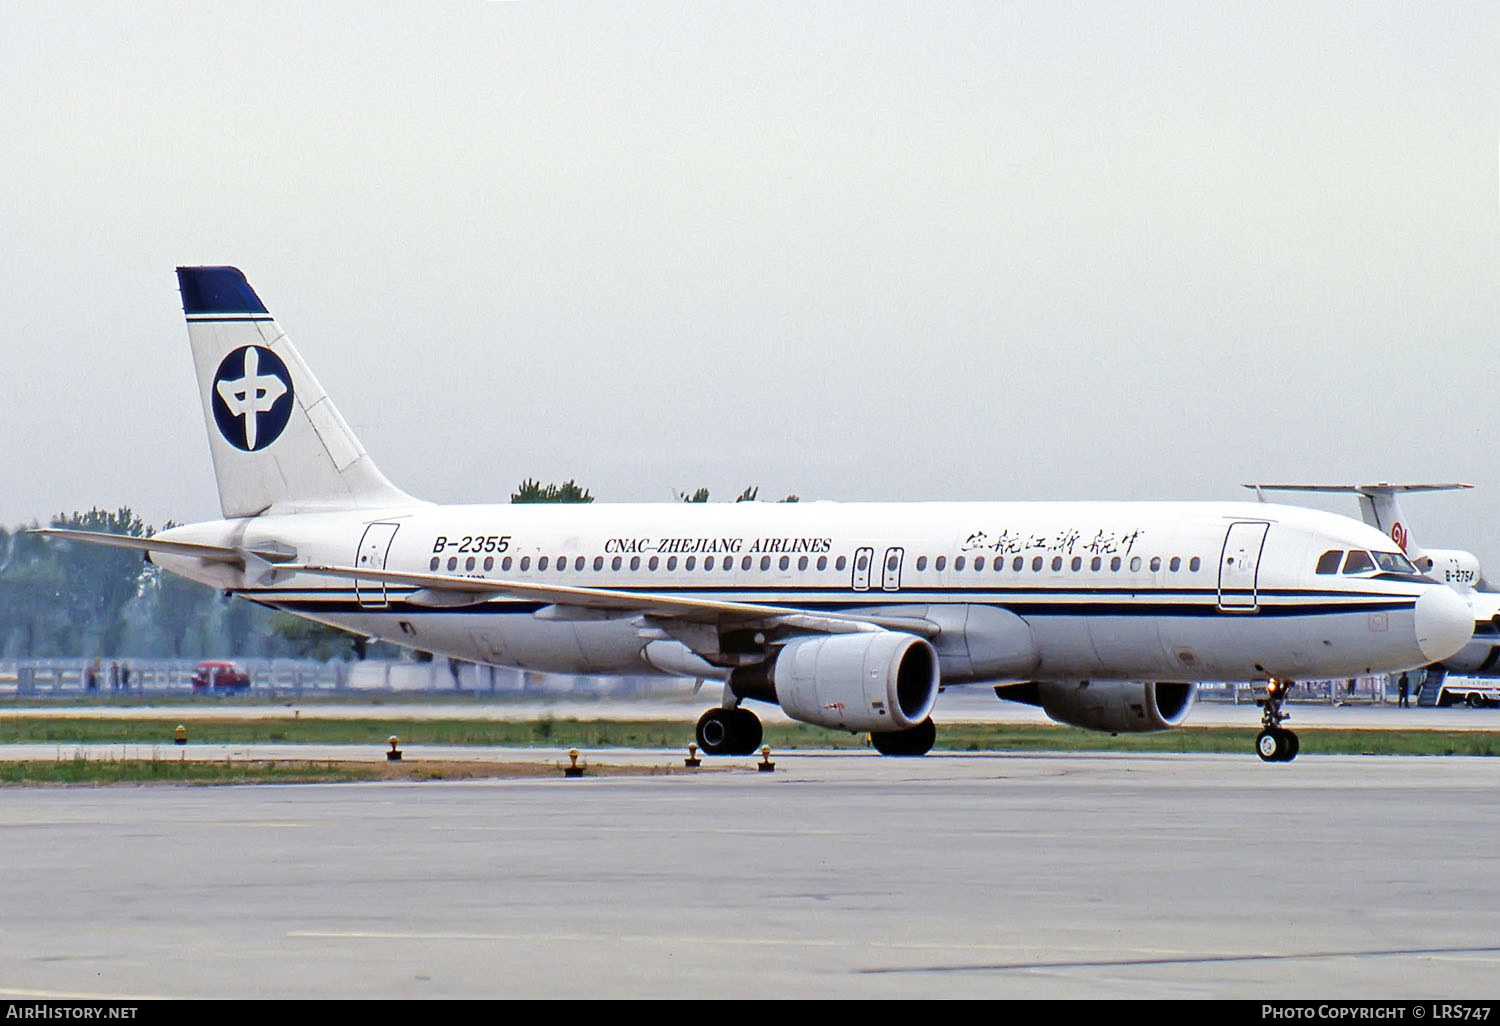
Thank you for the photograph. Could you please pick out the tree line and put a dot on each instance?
(63, 599)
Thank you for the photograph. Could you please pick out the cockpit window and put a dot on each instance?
(1393, 562)
(1358, 562)
(1328, 562)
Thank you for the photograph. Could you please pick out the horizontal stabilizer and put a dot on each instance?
(1382, 488)
(212, 553)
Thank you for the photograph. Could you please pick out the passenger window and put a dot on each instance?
(1358, 562)
(1114, 564)
(434, 564)
(784, 563)
(614, 564)
(801, 562)
(708, 562)
(1155, 564)
(840, 563)
(578, 563)
(505, 564)
(452, 562)
(671, 563)
(1056, 563)
(1077, 563)
(653, 564)
(1194, 564)
(958, 564)
(940, 563)
(921, 563)
(692, 561)
(526, 563)
(1328, 562)
(1175, 565)
(1019, 562)
(1036, 564)
(469, 563)
(635, 562)
(822, 562)
(1095, 563)
(744, 563)
(541, 564)
(765, 562)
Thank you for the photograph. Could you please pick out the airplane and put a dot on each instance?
(1460, 570)
(851, 616)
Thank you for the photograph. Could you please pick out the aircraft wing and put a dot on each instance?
(448, 590)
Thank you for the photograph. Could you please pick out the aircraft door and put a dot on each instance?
(891, 572)
(1239, 564)
(862, 560)
(373, 548)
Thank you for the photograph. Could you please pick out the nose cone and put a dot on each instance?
(1445, 623)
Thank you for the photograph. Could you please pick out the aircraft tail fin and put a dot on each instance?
(277, 439)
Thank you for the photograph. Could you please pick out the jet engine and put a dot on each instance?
(878, 681)
(1118, 706)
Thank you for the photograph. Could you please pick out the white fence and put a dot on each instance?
(271, 678)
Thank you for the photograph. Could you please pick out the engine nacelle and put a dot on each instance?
(1118, 706)
(878, 681)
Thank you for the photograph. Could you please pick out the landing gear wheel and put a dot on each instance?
(917, 740)
(747, 731)
(1277, 745)
(729, 732)
(716, 733)
(1268, 745)
(1475, 701)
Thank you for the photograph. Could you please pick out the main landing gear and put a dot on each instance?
(734, 731)
(1275, 743)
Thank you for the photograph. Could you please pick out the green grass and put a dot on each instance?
(584, 734)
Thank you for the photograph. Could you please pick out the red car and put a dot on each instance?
(220, 678)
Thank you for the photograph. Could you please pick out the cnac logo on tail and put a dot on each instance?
(252, 398)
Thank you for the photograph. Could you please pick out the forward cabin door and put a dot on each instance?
(373, 548)
(1239, 566)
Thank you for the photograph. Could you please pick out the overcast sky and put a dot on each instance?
(863, 251)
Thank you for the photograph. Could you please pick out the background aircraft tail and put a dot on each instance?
(277, 440)
(1380, 507)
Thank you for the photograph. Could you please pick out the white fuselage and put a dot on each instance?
(1144, 590)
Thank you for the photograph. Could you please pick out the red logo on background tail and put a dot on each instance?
(1398, 534)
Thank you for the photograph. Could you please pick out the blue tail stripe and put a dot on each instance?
(215, 290)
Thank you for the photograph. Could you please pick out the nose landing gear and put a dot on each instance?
(1275, 743)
